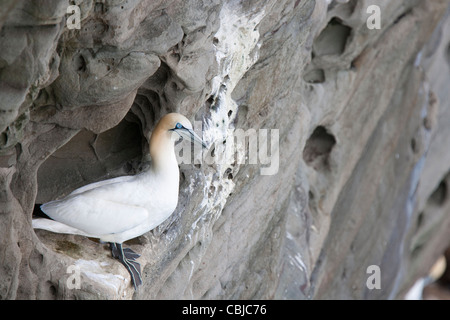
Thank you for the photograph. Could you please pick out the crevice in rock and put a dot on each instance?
(403, 15)
(414, 146)
(420, 219)
(315, 76)
(447, 54)
(333, 39)
(318, 149)
(80, 63)
(440, 194)
(211, 103)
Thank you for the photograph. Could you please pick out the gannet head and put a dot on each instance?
(179, 124)
(170, 128)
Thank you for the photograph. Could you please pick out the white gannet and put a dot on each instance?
(126, 207)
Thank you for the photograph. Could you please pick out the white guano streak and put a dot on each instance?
(235, 54)
(236, 51)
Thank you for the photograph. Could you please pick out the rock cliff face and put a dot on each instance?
(360, 119)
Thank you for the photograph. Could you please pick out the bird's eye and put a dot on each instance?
(178, 126)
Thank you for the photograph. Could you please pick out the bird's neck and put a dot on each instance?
(162, 152)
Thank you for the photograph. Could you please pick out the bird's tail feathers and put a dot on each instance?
(55, 226)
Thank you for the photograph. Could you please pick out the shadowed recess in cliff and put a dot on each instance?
(91, 157)
(333, 39)
(318, 149)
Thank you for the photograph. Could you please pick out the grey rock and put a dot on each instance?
(363, 129)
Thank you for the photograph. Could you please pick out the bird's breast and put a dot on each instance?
(161, 193)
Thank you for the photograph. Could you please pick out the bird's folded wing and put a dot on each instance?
(95, 216)
(99, 184)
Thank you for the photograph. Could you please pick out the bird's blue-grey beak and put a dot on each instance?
(191, 135)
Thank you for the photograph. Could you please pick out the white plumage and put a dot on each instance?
(123, 208)
(119, 209)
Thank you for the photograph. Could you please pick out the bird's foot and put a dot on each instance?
(129, 254)
(127, 258)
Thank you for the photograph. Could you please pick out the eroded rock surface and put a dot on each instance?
(363, 120)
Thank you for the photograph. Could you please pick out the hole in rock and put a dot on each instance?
(80, 63)
(318, 148)
(315, 76)
(333, 39)
(51, 289)
(210, 102)
(228, 174)
(439, 195)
